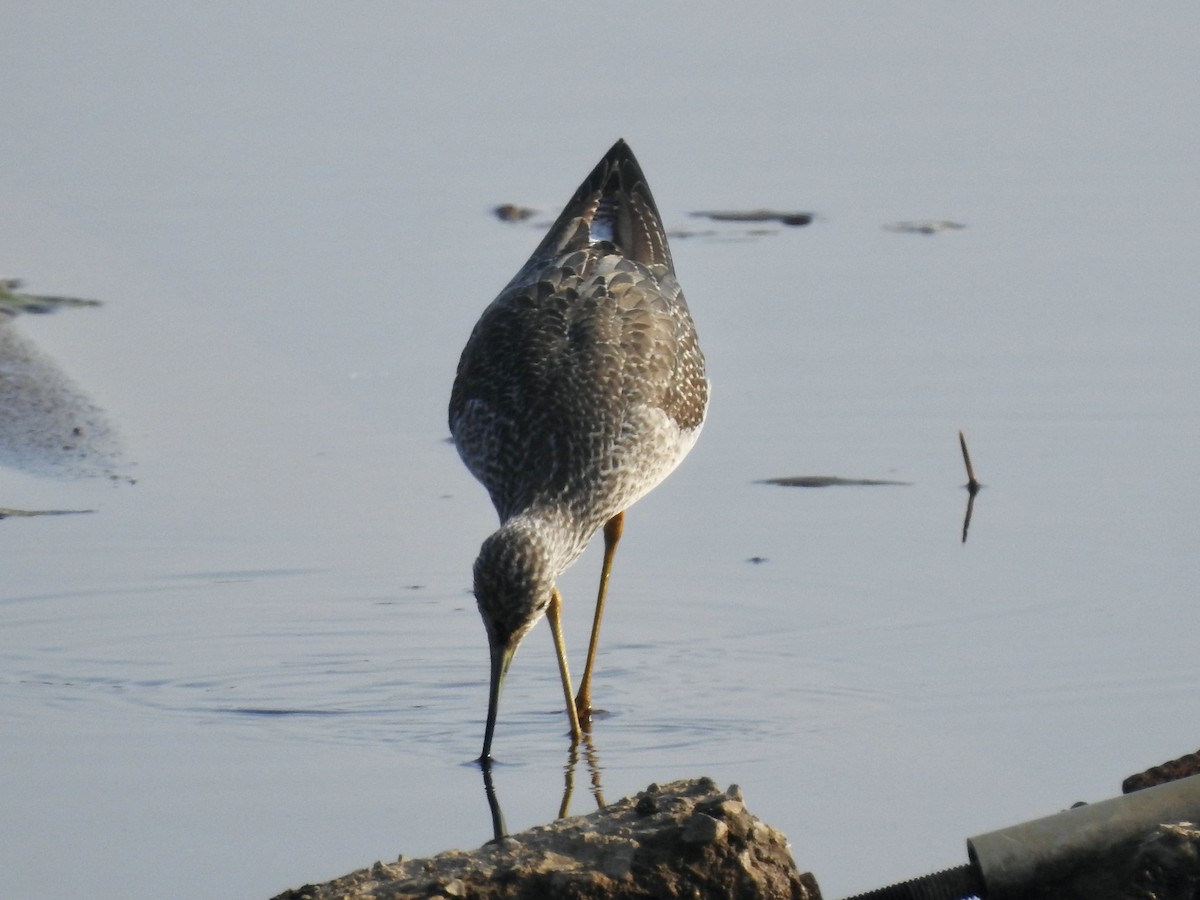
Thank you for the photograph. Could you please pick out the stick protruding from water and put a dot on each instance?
(972, 482)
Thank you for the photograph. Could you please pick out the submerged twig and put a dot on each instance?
(970, 509)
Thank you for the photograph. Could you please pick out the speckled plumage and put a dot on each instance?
(581, 388)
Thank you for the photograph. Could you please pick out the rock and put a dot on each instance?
(1167, 864)
(684, 839)
(703, 829)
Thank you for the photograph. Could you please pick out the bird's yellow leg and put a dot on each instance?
(554, 617)
(612, 534)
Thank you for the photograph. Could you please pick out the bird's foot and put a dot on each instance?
(583, 709)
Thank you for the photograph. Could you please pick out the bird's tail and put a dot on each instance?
(613, 204)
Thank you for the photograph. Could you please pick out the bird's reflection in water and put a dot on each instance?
(499, 830)
(593, 764)
(590, 758)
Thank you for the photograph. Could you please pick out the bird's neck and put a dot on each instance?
(555, 534)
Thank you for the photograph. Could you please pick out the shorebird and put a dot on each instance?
(580, 389)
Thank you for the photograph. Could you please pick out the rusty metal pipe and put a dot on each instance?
(1084, 853)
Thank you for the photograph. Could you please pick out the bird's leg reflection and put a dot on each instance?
(593, 764)
(499, 830)
(589, 750)
(564, 808)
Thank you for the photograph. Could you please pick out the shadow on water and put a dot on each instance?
(590, 758)
(48, 424)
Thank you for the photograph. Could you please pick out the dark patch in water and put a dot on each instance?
(267, 711)
(795, 219)
(819, 481)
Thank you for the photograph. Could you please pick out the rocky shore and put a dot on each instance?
(685, 839)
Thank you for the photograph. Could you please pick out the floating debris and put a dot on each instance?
(511, 212)
(7, 513)
(820, 481)
(796, 219)
(685, 233)
(925, 227)
(514, 213)
(12, 303)
(972, 484)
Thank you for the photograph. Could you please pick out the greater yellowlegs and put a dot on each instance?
(580, 389)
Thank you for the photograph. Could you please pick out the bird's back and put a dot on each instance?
(582, 385)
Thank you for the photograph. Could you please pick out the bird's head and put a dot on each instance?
(513, 585)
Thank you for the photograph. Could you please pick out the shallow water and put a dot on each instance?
(259, 664)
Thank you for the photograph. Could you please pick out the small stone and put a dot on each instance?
(706, 784)
(732, 813)
(734, 792)
(455, 888)
(722, 807)
(646, 806)
(702, 829)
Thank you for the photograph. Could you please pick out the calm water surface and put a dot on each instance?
(257, 663)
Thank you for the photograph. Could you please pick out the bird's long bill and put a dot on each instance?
(502, 656)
